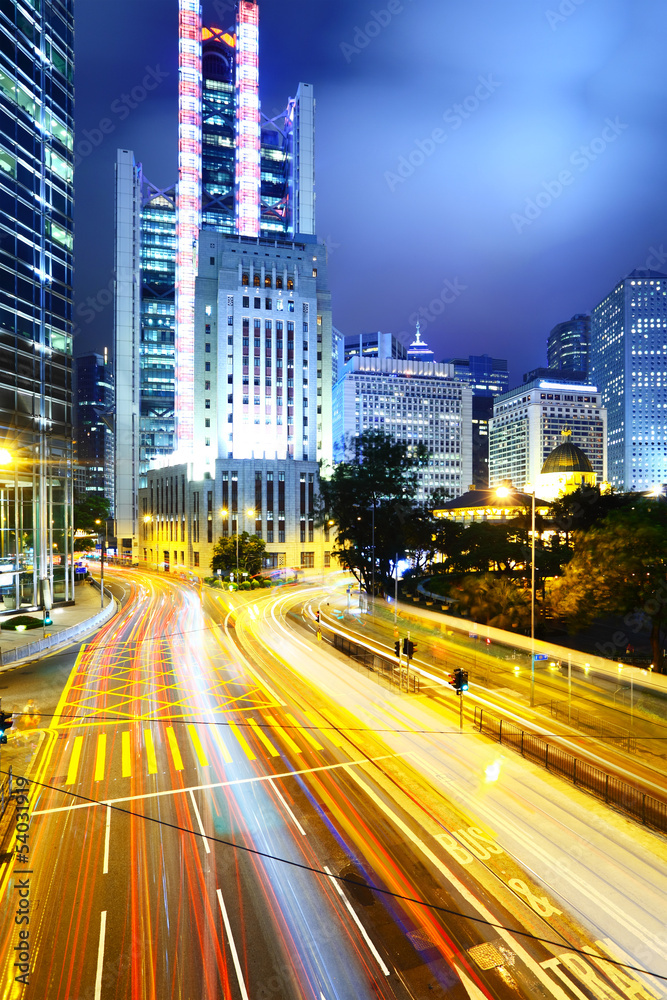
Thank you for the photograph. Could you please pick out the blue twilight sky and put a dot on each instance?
(492, 167)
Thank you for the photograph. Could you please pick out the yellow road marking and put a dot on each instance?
(288, 739)
(244, 746)
(100, 759)
(223, 747)
(127, 756)
(199, 750)
(74, 760)
(331, 734)
(173, 746)
(261, 735)
(304, 732)
(150, 751)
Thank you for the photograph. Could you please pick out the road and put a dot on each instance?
(221, 807)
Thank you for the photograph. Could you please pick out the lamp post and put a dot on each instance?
(503, 491)
(103, 540)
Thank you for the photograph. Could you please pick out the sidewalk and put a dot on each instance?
(69, 624)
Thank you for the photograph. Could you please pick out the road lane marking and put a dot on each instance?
(286, 736)
(223, 747)
(553, 988)
(232, 947)
(126, 755)
(473, 991)
(331, 734)
(196, 742)
(150, 751)
(244, 746)
(304, 732)
(173, 746)
(376, 954)
(74, 760)
(216, 784)
(199, 822)
(261, 735)
(107, 837)
(287, 806)
(100, 956)
(100, 758)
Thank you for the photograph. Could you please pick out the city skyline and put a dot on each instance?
(461, 216)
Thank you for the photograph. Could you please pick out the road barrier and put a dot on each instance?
(610, 789)
(382, 666)
(595, 726)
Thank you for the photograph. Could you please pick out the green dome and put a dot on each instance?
(567, 458)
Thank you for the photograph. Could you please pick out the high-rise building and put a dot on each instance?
(414, 402)
(529, 422)
(568, 346)
(487, 377)
(240, 172)
(381, 346)
(418, 349)
(36, 262)
(94, 423)
(629, 363)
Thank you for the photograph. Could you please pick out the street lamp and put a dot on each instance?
(104, 545)
(503, 491)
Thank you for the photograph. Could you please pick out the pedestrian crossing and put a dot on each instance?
(149, 749)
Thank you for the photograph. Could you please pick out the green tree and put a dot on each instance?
(250, 553)
(585, 507)
(618, 568)
(371, 497)
(88, 509)
(493, 600)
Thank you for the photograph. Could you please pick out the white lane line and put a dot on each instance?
(376, 954)
(471, 988)
(232, 947)
(215, 784)
(100, 956)
(286, 804)
(475, 904)
(107, 837)
(201, 825)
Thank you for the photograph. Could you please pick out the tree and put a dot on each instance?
(370, 498)
(493, 600)
(618, 568)
(586, 507)
(89, 508)
(250, 553)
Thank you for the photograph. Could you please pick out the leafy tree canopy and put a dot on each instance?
(618, 567)
(90, 508)
(493, 600)
(250, 553)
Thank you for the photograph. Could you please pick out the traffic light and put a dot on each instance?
(317, 615)
(48, 620)
(6, 722)
(409, 648)
(460, 680)
(397, 647)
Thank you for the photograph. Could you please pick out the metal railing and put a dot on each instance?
(383, 668)
(593, 724)
(610, 789)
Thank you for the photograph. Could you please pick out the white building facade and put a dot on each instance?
(528, 423)
(414, 402)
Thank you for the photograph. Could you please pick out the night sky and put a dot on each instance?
(499, 165)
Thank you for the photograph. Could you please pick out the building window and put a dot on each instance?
(258, 302)
(307, 560)
(327, 560)
(246, 302)
(195, 558)
(207, 348)
(207, 404)
(207, 385)
(207, 366)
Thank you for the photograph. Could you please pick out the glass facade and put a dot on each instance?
(487, 377)
(94, 437)
(568, 346)
(36, 241)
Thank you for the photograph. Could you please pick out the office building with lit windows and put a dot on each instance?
(245, 174)
(371, 345)
(529, 421)
(36, 264)
(629, 363)
(487, 377)
(568, 346)
(414, 402)
(94, 422)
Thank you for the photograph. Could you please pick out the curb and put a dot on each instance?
(12, 657)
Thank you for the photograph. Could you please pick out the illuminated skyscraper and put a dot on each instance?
(36, 265)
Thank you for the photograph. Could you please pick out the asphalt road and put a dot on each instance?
(219, 807)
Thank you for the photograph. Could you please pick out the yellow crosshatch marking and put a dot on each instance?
(244, 746)
(259, 732)
(288, 739)
(304, 732)
(100, 758)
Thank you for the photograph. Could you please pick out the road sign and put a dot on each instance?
(541, 656)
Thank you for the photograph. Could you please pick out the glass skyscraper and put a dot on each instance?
(568, 346)
(487, 377)
(36, 243)
(629, 365)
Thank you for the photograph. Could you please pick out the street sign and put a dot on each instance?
(541, 656)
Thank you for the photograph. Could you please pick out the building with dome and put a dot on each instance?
(566, 469)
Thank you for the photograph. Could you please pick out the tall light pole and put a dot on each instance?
(503, 491)
(103, 540)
